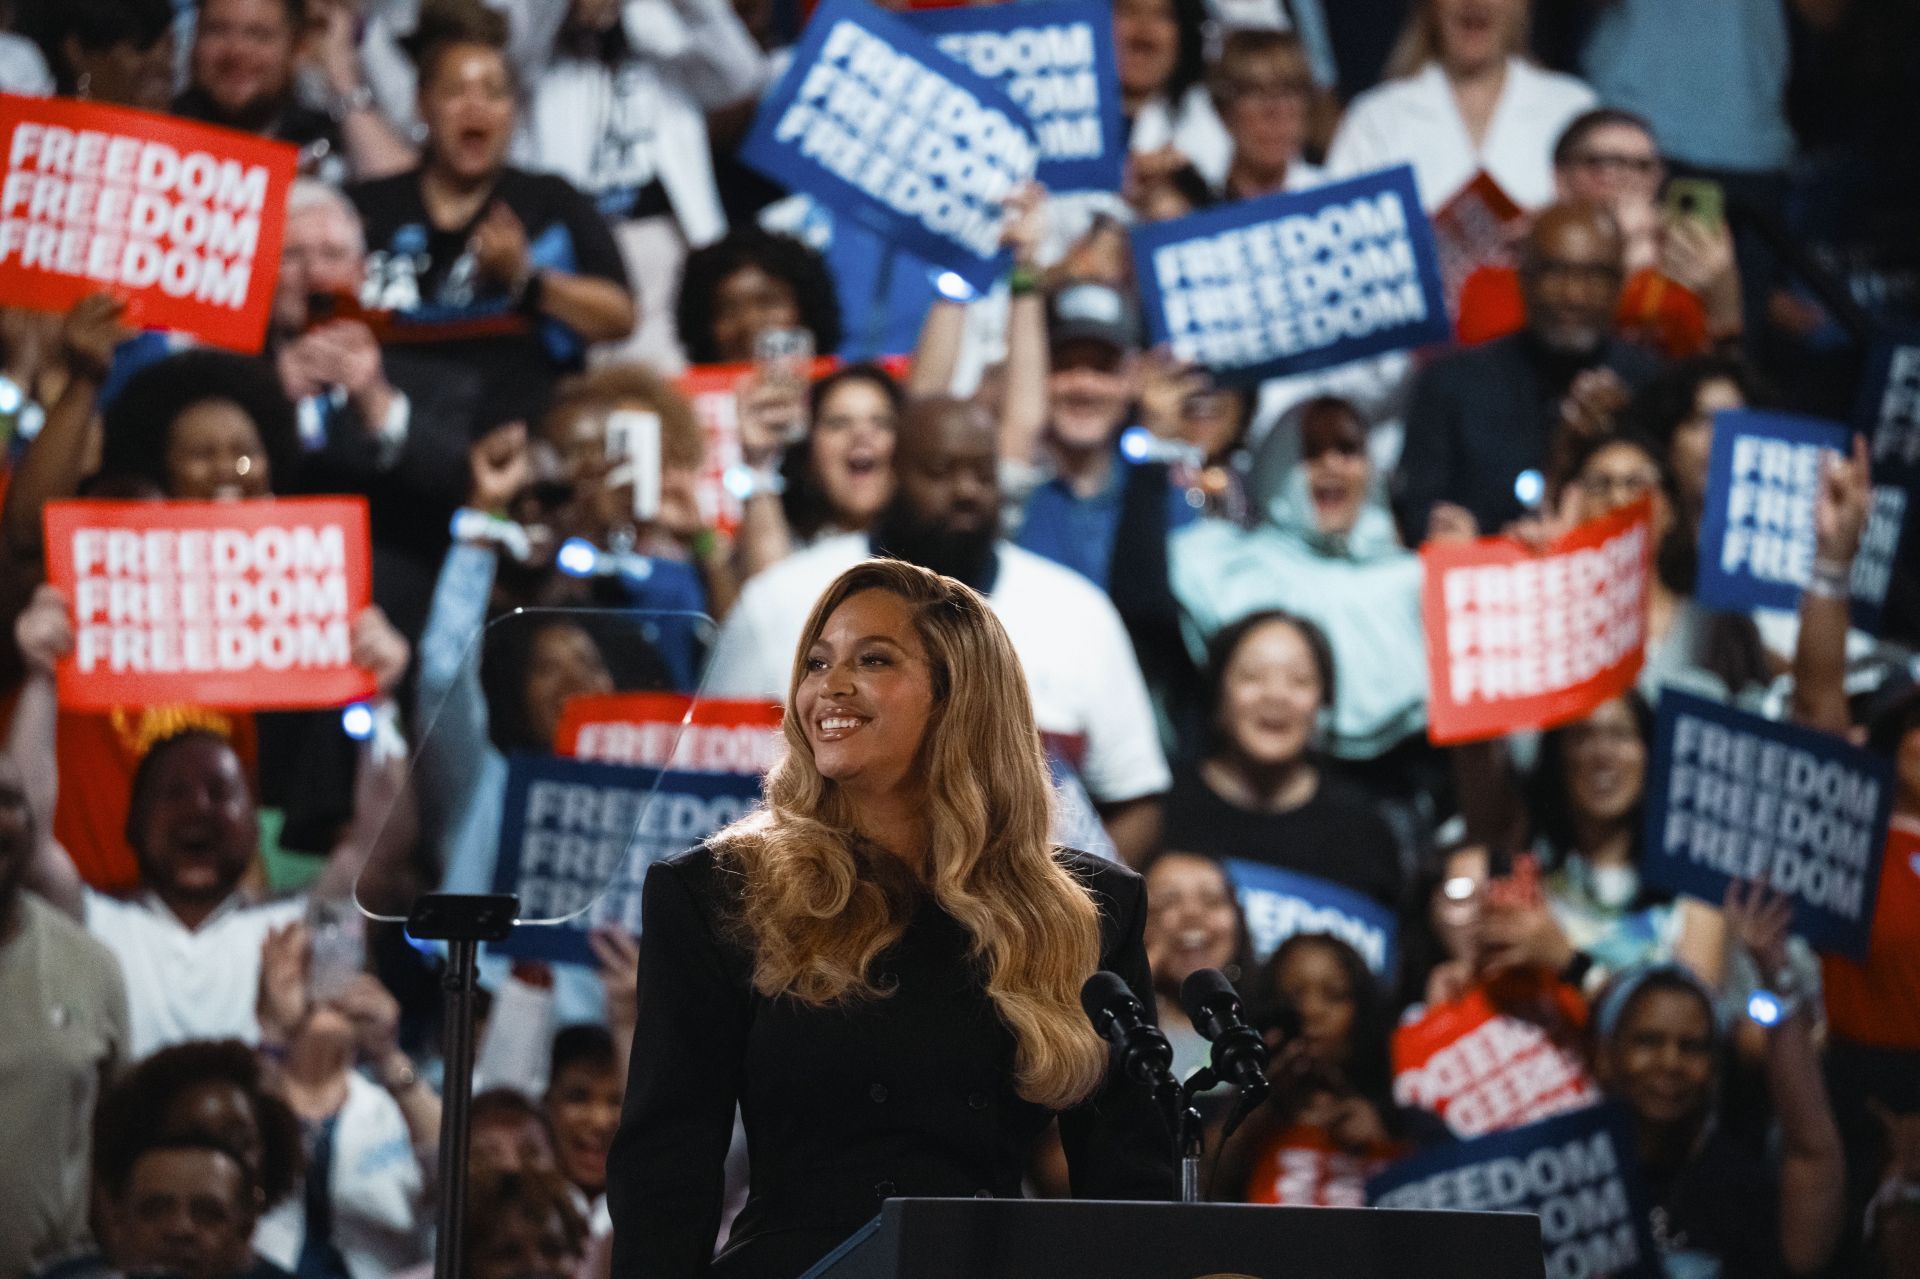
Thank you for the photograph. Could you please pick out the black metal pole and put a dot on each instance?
(456, 1102)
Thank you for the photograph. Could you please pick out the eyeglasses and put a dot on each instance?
(1640, 166)
(1628, 487)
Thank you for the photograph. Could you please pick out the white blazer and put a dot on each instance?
(1415, 121)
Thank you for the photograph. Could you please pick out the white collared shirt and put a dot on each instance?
(1416, 121)
(188, 983)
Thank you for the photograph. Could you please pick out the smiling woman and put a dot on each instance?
(882, 968)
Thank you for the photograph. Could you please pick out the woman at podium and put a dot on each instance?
(882, 966)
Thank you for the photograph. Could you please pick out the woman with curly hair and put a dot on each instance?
(882, 967)
(751, 281)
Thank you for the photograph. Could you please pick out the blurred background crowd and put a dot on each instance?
(521, 224)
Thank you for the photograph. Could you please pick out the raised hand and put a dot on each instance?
(498, 467)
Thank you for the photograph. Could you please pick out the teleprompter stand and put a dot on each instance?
(1093, 1239)
(463, 921)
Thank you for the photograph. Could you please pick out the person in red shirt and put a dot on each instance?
(1872, 1004)
(1682, 295)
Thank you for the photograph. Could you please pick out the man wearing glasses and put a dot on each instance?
(1682, 293)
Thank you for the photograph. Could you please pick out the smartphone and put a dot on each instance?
(339, 937)
(1698, 200)
(633, 446)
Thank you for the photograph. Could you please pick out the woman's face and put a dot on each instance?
(125, 75)
(583, 1105)
(865, 695)
(1660, 1060)
(214, 453)
(1146, 45)
(562, 663)
(1618, 476)
(1271, 695)
(222, 1110)
(467, 104)
(853, 451)
(1191, 919)
(1476, 34)
(1333, 451)
(1693, 439)
(1606, 762)
(1267, 116)
(508, 1142)
(1311, 979)
(746, 304)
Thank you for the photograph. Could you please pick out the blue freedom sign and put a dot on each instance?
(1734, 796)
(1576, 1172)
(1293, 282)
(874, 122)
(577, 836)
(1755, 530)
(1055, 59)
(1279, 903)
(1889, 416)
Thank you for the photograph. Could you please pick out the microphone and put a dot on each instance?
(1239, 1053)
(1117, 1016)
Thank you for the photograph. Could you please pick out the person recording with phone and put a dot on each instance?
(882, 968)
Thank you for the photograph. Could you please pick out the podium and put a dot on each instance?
(1069, 1239)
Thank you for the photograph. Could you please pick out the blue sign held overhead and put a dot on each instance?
(874, 122)
(1756, 528)
(577, 836)
(1294, 282)
(1734, 796)
(1576, 1172)
(1055, 59)
(1279, 903)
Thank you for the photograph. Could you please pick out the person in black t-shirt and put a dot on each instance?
(1724, 1199)
(1258, 793)
(512, 272)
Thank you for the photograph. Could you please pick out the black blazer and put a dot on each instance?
(909, 1095)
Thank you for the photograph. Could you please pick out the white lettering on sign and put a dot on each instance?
(130, 212)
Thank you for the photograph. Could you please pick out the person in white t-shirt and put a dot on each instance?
(1089, 698)
(189, 939)
(1461, 98)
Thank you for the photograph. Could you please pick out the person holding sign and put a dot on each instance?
(882, 968)
(1716, 654)
(1872, 1004)
(520, 265)
(1718, 1198)
(189, 941)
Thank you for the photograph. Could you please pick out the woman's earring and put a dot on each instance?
(84, 86)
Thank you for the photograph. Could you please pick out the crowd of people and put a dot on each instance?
(519, 224)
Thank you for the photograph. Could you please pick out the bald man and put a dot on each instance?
(1481, 419)
(1088, 696)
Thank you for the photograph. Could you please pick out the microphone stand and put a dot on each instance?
(1191, 1133)
(463, 921)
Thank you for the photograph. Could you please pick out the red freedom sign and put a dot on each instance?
(1474, 228)
(1523, 640)
(181, 220)
(247, 605)
(1483, 1070)
(661, 730)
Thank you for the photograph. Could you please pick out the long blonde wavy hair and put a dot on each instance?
(818, 907)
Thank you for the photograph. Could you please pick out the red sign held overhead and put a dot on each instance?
(1519, 640)
(182, 220)
(246, 605)
(1482, 1069)
(662, 730)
